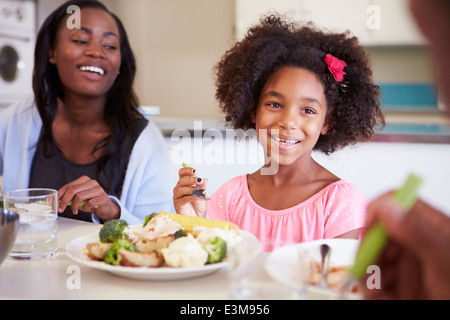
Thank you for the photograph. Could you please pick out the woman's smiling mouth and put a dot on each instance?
(93, 69)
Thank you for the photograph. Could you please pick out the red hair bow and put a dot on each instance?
(336, 67)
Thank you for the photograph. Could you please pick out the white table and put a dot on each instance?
(48, 278)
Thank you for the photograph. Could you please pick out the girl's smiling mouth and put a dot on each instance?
(285, 141)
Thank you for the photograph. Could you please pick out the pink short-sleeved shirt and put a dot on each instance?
(333, 211)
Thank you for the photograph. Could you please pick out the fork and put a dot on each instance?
(200, 193)
(325, 252)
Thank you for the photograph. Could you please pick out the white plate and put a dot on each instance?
(74, 251)
(280, 261)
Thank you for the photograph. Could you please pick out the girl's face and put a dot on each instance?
(291, 114)
(88, 59)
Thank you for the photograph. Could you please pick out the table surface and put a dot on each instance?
(53, 278)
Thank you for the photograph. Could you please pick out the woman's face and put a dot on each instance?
(88, 59)
(291, 114)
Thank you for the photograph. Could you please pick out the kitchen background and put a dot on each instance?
(178, 42)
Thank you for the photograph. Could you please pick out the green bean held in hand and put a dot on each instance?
(376, 238)
(81, 204)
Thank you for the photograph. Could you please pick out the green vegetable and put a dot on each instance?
(187, 165)
(70, 203)
(148, 218)
(376, 238)
(179, 234)
(217, 249)
(112, 231)
(406, 196)
(113, 257)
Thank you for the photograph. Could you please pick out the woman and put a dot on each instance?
(83, 134)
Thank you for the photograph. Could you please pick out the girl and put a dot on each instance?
(302, 90)
(83, 134)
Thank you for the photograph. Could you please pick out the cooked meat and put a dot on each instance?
(145, 245)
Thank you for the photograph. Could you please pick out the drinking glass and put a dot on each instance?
(249, 280)
(37, 209)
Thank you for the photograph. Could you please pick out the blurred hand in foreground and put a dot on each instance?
(416, 261)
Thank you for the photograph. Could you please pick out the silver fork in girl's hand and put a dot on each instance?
(200, 193)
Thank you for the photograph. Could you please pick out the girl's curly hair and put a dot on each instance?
(275, 43)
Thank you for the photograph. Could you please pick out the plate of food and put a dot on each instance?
(166, 247)
(300, 264)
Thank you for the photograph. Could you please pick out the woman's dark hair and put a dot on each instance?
(121, 101)
(354, 107)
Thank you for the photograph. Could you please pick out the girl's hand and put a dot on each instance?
(184, 202)
(87, 194)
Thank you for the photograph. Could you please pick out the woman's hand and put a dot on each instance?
(97, 201)
(184, 202)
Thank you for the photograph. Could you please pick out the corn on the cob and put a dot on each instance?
(188, 222)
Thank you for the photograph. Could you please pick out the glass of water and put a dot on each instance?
(38, 213)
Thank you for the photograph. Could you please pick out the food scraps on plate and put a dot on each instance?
(335, 278)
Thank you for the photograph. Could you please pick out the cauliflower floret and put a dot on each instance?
(185, 252)
(206, 235)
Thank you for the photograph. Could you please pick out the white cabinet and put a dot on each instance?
(374, 22)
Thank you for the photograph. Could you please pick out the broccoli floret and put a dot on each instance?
(148, 218)
(180, 233)
(112, 256)
(217, 249)
(112, 231)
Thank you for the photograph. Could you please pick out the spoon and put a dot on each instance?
(325, 252)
